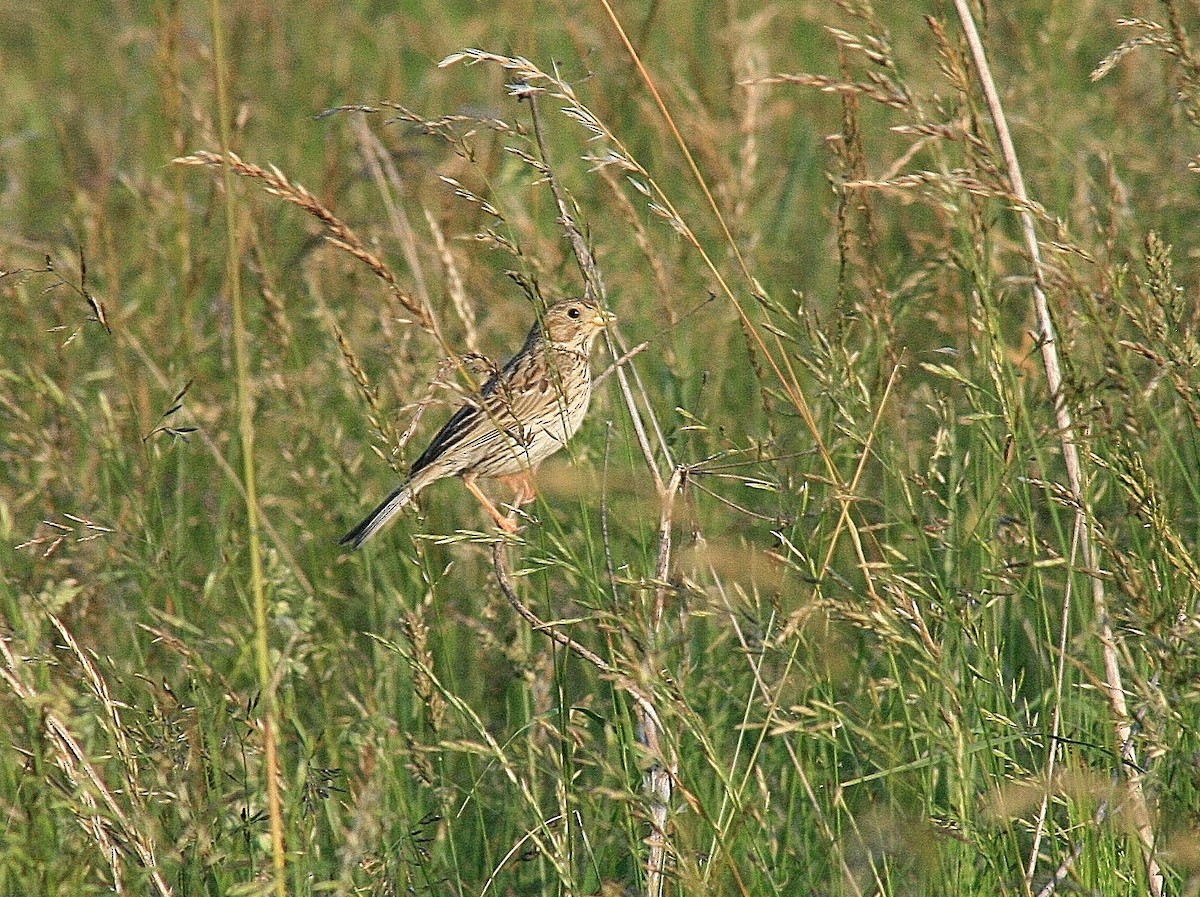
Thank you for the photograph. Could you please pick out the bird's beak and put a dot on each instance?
(604, 317)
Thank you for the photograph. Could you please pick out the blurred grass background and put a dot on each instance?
(853, 710)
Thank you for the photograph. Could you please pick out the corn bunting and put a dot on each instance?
(520, 417)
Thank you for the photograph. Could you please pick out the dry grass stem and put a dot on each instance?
(504, 579)
(338, 233)
(392, 193)
(1122, 722)
(454, 284)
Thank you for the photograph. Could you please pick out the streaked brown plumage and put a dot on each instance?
(522, 415)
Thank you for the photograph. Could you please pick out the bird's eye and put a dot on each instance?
(572, 313)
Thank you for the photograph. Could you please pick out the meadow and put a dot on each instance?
(872, 571)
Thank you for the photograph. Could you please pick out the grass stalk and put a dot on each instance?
(1114, 689)
(270, 710)
(657, 783)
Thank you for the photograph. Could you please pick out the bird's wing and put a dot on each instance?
(464, 420)
(502, 417)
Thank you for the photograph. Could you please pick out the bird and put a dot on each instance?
(524, 413)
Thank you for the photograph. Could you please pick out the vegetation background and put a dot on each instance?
(870, 645)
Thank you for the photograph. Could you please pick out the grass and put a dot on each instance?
(802, 609)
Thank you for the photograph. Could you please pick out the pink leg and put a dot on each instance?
(505, 523)
(523, 491)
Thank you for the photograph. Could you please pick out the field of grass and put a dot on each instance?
(833, 594)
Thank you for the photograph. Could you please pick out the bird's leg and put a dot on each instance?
(522, 487)
(505, 523)
(523, 491)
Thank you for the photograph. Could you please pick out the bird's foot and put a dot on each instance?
(509, 525)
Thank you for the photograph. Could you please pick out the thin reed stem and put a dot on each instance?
(657, 782)
(1114, 689)
(270, 709)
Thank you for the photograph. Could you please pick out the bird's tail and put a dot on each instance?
(372, 522)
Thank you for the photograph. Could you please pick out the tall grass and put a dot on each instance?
(802, 610)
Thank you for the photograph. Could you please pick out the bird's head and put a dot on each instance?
(575, 323)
